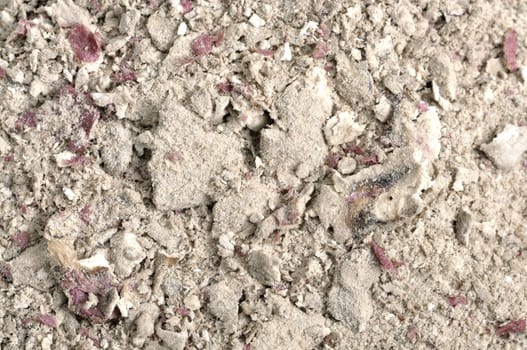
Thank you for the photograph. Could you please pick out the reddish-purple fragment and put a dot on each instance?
(124, 76)
(280, 286)
(457, 300)
(287, 217)
(510, 46)
(266, 52)
(383, 260)
(517, 326)
(202, 45)
(330, 340)
(174, 156)
(320, 51)
(9, 157)
(76, 147)
(21, 239)
(85, 214)
(78, 160)
(292, 216)
(69, 90)
(125, 72)
(422, 106)
(84, 43)
(182, 311)
(370, 160)
(78, 285)
(356, 149)
(242, 89)
(186, 6)
(371, 192)
(412, 334)
(85, 332)
(225, 87)
(23, 26)
(88, 120)
(96, 5)
(323, 31)
(333, 160)
(218, 39)
(3, 73)
(47, 320)
(26, 120)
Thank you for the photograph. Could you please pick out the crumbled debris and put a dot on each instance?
(32, 268)
(223, 304)
(171, 339)
(89, 295)
(303, 330)
(342, 128)
(349, 299)
(320, 50)
(26, 120)
(5, 273)
(383, 109)
(330, 206)
(162, 30)
(233, 212)
(443, 73)
(144, 323)
(507, 148)
(125, 73)
(463, 178)
(127, 253)
(264, 267)
(117, 146)
(92, 294)
(212, 176)
(188, 183)
(463, 226)
(302, 142)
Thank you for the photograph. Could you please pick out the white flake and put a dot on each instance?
(286, 54)
(256, 21)
(182, 29)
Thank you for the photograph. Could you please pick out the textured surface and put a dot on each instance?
(214, 174)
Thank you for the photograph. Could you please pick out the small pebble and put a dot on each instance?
(347, 165)
(256, 21)
(462, 226)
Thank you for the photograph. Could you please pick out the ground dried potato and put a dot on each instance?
(310, 174)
